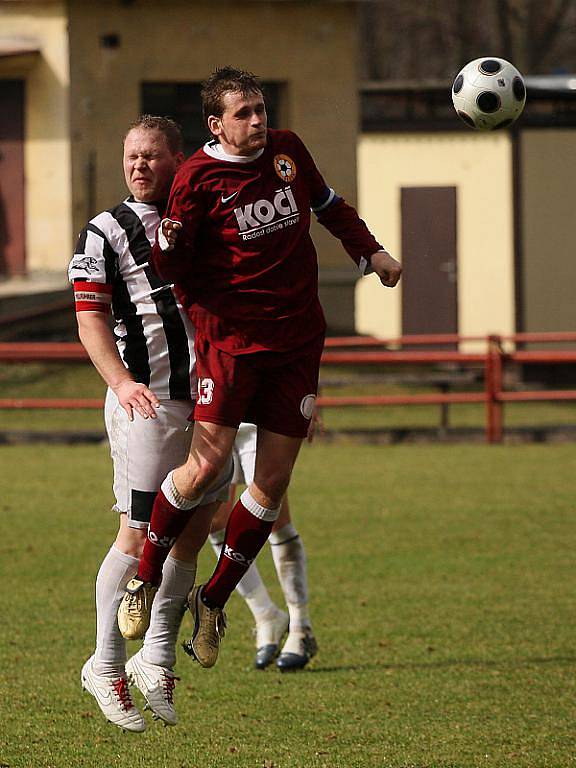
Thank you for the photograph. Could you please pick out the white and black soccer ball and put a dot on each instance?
(489, 93)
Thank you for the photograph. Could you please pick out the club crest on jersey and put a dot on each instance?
(285, 167)
(266, 216)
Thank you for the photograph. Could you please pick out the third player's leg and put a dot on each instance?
(289, 558)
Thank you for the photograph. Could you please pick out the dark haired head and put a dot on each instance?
(165, 125)
(226, 80)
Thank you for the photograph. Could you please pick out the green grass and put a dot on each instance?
(442, 593)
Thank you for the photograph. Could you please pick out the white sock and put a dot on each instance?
(115, 572)
(167, 611)
(290, 561)
(174, 496)
(250, 587)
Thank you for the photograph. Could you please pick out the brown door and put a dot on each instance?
(429, 258)
(12, 253)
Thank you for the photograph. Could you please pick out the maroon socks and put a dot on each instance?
(246, 533)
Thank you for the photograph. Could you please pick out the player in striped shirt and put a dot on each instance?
(148, 364)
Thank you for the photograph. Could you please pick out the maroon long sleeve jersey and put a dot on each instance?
(244, 264)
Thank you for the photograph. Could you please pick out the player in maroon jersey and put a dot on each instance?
(245, 269)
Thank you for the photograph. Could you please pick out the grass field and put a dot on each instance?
(442, 592)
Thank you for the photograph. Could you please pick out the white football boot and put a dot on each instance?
(113, 697)
(269, 634)
(156, 684)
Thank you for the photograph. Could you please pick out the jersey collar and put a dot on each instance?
(214, 149)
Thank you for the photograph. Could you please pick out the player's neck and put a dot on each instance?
(217, 150)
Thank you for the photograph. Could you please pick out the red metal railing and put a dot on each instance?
(351, 351)
(497, 357)
(41, 352)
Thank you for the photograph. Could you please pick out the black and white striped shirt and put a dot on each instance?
(155, 337)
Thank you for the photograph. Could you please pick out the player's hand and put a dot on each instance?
(137, 397)
(386, 267)
(170, 229)
(314, 426)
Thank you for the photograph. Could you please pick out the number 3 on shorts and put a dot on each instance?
(205, 391)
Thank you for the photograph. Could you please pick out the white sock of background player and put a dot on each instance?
(289, 558)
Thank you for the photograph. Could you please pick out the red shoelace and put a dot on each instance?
(169, 685)
(123, 692)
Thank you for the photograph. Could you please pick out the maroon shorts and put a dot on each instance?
(275, 390)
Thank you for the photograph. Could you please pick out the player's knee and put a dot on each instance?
(272, 489)
(199, 475)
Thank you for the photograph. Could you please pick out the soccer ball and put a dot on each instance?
(489, 93)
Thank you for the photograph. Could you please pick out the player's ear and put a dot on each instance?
(180, 157)
(214, 125)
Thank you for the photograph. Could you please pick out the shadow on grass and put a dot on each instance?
(449, 663)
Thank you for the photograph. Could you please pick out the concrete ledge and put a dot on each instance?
(35, 282)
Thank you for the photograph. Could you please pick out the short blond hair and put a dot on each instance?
(165, 125)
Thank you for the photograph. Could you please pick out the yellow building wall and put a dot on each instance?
(47, 145)
(309, 46)
(480, 167)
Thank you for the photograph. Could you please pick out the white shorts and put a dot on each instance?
(144, 451)
(244, 454)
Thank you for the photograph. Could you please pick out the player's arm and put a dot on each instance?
(342, 221)
(91, 273)
(98, 340)
(176, 235)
